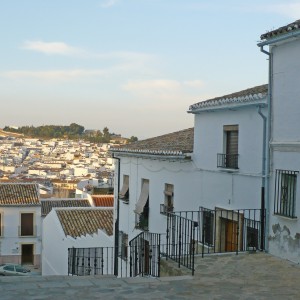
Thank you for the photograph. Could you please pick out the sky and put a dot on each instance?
(134, 66)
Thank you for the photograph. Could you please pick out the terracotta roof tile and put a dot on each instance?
(103, 200)
(48, 204)
(19, 194)
(81, 222)
(174, 144)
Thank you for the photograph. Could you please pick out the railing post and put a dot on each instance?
(179, 242)
(237, 232)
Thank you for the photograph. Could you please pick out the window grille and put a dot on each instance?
(285, 193)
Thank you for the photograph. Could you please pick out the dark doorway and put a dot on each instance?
(27, 254)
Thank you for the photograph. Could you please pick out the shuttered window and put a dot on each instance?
(27, 224)
(143, 197)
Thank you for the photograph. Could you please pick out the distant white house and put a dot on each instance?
(20, 220)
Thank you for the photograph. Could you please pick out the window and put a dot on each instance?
(124, 193)
(285, 193)
(229, 159)
(142, 207)
(208, 227)
(26, 228)
(123, 245)
(168, 205)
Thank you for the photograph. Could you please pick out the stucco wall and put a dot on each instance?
(56, 244)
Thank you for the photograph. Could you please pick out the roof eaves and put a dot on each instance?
(227, 103)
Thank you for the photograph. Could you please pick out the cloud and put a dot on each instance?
(53, 74)
(154, 85)
(291, 10)
(194, 83)
(108, 3)
(51, 47)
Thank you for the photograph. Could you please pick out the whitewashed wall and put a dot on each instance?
(10, 242)
(56, 244)
(284, 233)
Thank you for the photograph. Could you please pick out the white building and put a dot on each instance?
(20, 219)
(284, 125)
(83, 239)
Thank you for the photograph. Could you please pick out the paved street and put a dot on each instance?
(245, 276)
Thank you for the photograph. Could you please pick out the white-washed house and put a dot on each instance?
(83, 239)
(20, 219)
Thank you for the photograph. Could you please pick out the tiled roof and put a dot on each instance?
(48, 204)
(81, 222)
(281, 30)
(103, 200)
(19, 194)
(174, 144)
(252, 95)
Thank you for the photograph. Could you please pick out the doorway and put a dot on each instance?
(231, 239)
(27, 254)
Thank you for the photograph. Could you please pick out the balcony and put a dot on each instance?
(227, 161)
(164, 209)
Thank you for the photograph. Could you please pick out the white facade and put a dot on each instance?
(11, 240)
(55, 262)
(284, 208)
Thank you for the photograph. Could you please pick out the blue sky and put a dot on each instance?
(132, 65)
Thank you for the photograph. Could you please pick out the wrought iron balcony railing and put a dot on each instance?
(164, 209)
(228, 161)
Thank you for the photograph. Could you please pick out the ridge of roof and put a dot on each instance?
(250, 95)
(281, 30)
(172, 144)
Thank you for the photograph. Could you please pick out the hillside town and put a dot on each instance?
(60, 167)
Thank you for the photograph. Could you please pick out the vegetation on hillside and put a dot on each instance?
(73, 131)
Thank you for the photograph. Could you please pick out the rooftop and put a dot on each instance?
(174, 144)
(248, 96)
(48, 204)
(81, 222)
(103, 200)
(16, 194)
(281, 30)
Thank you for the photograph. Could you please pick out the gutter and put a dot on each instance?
(268, 139)
(226, 107)
(116, 264)
(263, 180)
(274, 40)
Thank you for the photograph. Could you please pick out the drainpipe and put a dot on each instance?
(263, 180)
(268, 139)
(117, 222)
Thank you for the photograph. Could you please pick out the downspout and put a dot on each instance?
(116, 259)
(268, 139)
(263, 180)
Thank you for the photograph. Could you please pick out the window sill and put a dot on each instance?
(228, 170)
(286, 217)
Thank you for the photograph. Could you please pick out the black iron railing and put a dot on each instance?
(164, 209)
(285, 193)
(90, 261)
(145, 252)
(229, 161)
(180, 240)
